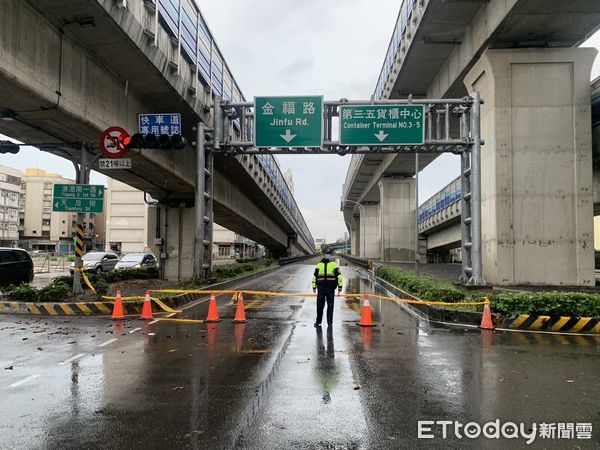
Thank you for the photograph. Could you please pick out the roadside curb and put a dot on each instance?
(522, 322)
(103, 308)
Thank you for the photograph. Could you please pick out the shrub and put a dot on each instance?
(21, 293)
(423, 287)
(66, 280)
(55, 292)
(101, 287)
(547, 303)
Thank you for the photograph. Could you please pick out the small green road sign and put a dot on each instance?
(382, 124)
(288, 121)
(78, 198)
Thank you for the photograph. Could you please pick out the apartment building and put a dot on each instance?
(10, 197)
(39, 227)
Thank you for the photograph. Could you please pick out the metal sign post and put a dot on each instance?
(379, 126)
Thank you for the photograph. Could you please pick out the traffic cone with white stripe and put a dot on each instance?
(486, 319)
(147, 308)
(213, 313)
(118, 308)
(365, 314)
(240, 313)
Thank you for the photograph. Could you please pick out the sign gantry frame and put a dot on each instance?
(449, 126)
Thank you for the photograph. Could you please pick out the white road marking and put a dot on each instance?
(110, 341)
(23, 381)
(170, 315)
(154, 321)
(134, 330)
(72, 358)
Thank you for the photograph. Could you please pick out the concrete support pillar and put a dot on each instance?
(178, 236)
(369, 232)
(355, 238)
(397, 206)
(537, 206)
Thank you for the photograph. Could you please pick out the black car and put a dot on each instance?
(16, 266)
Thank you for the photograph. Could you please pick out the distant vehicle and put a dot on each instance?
(97, 262)
(16, 266)
(136, 260)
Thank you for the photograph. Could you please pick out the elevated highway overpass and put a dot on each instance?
(71, 68)
(522, 57)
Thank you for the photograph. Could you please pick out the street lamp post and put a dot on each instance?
(362, 208)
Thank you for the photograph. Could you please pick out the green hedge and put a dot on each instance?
(60, 289)
(423, 287)
(234, 270)
(547, 303)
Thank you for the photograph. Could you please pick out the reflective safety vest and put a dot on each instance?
(327, 275)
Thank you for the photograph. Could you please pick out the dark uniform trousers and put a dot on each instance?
(325, 294)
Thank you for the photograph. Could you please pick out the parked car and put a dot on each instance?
(97, 262)
(16, 266)
(135, 260)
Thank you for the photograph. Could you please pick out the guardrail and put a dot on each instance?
(293, 259)
(359, 261)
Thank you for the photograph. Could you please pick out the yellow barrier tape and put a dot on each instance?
(164, 307)
(288, 294)
(85, 279)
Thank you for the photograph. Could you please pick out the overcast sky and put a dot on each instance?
(333, 48)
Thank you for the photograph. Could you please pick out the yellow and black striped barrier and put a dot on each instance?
(79, 240)
(563, 324)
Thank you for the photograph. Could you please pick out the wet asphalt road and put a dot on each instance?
(277, 382)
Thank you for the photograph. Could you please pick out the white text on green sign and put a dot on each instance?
(382, 125)
(288, 121)
(79, 198)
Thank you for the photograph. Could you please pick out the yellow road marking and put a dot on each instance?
(539, 322)
(102, 308)
(580, 324)
(178, 320)
(558, 325)
(67, 310)
(34, 309)
(519, 321)
(50, 310)
(84, 309)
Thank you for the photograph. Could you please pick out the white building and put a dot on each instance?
(126, 218)
(10, 197)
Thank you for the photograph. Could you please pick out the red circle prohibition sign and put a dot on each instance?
(111, 142)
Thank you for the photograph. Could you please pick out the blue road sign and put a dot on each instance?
(158, 124)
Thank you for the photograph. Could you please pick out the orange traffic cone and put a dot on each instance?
(365, 315)
(486, 318)
(213, 314)
(147, 308)
(240, 313)
(118, 308)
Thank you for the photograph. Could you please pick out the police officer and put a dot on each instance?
(326, 279)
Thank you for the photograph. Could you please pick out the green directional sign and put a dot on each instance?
(382, 124)
(288, 121)
(78, 198)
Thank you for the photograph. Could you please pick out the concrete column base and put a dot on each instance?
(397, 205)
(177, 232)
(537, 205)
(369, 232)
